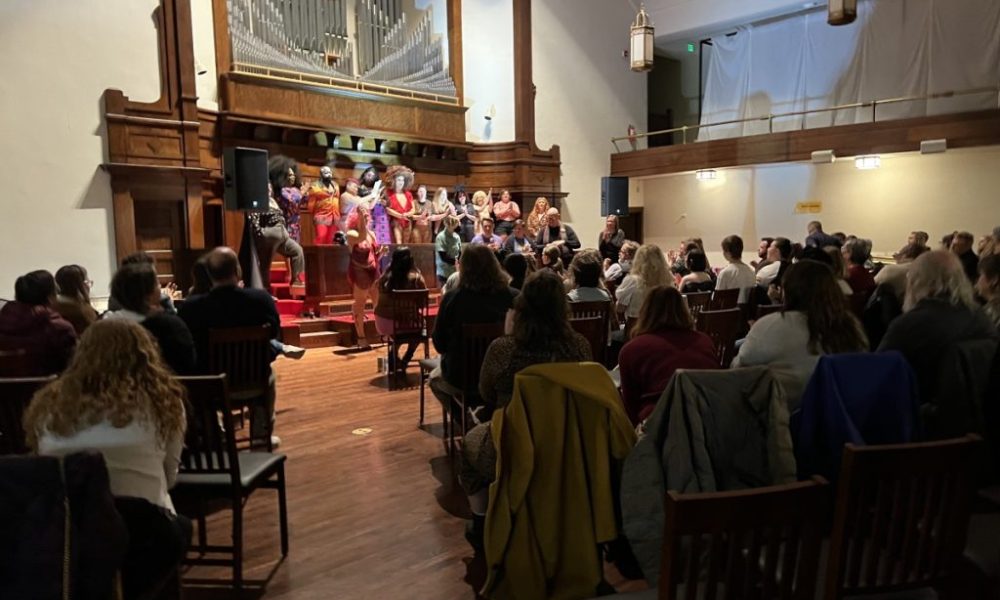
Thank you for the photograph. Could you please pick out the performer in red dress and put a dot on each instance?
(363, 269)
(400, 204)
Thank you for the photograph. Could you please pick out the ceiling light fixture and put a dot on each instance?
(868, 161)
(641, 38)
(705, 174)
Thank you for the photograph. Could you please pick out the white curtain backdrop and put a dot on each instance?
(896, 48)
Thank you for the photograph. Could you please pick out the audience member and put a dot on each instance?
(166, 293)
(649, 269)
(229, 305)
(517, 242)
(834, 257)
(988, 286)
(541, 333)
(138, 292)
(201, 283)
(73, 299)
(552, 260)
(118, 398)
(486, 235)
(817, 238)
(615, 271)
(961, 245)
(697, 279)
(558, 234)
(536, 218)
(29, 323)
(664, 340)
(946, 240)
(779, 252)
(765, 245)
(679, 265)
(447, 247)
(585, 278)
(841, 237)
(611, 239)
(939, 312)
(402, 274)
(482, 296)
(737, 274)
(916, 238)
(895, 275)
(518, 267)
(816, 320)
(857, 253)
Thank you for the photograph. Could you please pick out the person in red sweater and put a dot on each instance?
(664, 340)
(30, 324)
(856, 252)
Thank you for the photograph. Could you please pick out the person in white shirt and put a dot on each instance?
(780, 251)
(614, 272)
(895, 275)
(737, 274)
(649, 269)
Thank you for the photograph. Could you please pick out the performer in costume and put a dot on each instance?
(363, 269)
(506, 211)
(536, 218)
(371, 195)
(483, 203)
(267, 234)
(399, 203)
(468, 218)
(323, 200)
(441, 208)
(349, 200)
(284, 175)
(421, 217)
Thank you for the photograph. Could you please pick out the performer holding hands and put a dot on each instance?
(400, 204)
(363, 270)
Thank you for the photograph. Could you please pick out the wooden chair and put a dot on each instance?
(901, 516)
(476, 338)
(409, 325)
(212, 469)
(595, 330)
(15, 394)
(758, 543)
(723, 327)
(724, 299)
(697, 301)
(244, 355)
(600, 309)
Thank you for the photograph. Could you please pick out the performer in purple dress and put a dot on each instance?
(371, 190)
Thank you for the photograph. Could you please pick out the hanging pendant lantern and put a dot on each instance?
(842, 12)
(641, 51)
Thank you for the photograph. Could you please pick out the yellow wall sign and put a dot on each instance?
(808, 207)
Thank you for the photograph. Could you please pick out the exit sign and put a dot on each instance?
(690, 47)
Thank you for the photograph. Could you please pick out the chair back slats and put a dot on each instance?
(244, 355)
(15, 394)
(723, 326)
(724, 299)
(210, 444)
(901, 517)
(760, 543)
(476, 339)
(697, 302)
(409, 313)
(600, 309)
(595, 329)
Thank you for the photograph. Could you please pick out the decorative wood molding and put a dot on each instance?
(456, 67)
(962, 130)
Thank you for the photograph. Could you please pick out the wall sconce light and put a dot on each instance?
(933, 146)
(199, 68)
(868, 161)
(705, 174)
(842, 12)
(821, 157)
(492, 112)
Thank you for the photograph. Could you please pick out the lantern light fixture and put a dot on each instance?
(641, 42)
(841, 12)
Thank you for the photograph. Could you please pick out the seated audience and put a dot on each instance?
(841, 237)
(834, 257)
(585, 278)
(737, 274)
(697, 279)
(615, 271)
(447, 247)
(518, 267)
(664, 340)
(649, 269)
(816, 319)
(517, 242)
(762, 248)
(73, 299)
(552, 260)
(29, 323)
(988, 286)
(201, 282)
(483, 295)
(166, 293)
(778, 254)
(939, 311)
(558, 234)
(138, 293)
(857, 252)
(541, 334)
(229, 305)
(961, 245)
(895, 275)
(493, 241)
(402, 274)
(679, 265)
(916, 238)
(117, 397)
(611, 239)
(817, 238)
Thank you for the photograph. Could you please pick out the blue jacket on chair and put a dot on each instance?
(865, 399)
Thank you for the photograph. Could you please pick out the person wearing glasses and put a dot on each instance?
(73, 297)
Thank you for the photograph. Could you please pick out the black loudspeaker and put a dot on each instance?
(614, 196)
(244, 179)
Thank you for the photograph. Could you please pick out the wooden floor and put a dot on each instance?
(374, 508)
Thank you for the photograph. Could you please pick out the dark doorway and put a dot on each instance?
(632, 224)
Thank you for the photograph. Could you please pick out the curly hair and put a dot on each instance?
(541, 205)
(117, 375)
(649, 266)
(277, 172)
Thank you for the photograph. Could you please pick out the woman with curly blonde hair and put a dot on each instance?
(117, 397)
(536, 218)
(649, 270)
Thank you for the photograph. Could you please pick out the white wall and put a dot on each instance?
(488, 69)
(937, 193)
(203, 31)
(57, 58)
(586, 95)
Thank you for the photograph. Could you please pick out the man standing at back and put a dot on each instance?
(817, 238)
(228, 305)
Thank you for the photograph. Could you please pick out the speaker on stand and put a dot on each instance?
(244, 179)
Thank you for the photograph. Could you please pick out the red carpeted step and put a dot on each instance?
(281, 291)
(290, 307)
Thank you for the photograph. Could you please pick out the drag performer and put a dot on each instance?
(265, 233)
(323, 201)
(468, 218)
(284, 176)
(441, 208)
(371, 194)
(363, 269)
(483, 203)
(421, 217)
(399, 203)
